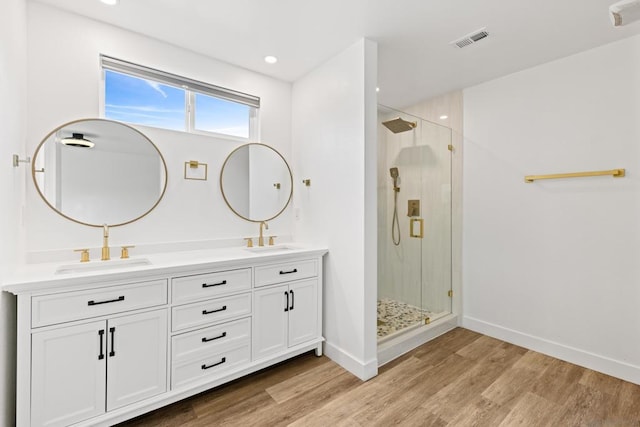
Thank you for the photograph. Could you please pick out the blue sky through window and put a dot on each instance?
(221, 116)
(135, 100)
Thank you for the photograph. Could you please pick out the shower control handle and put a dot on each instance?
(413, 208)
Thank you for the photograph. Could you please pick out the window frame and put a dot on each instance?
(191, 88)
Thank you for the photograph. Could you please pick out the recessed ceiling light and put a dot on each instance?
(270, 59)
(444, 117)
(377, 89)
(110, 2)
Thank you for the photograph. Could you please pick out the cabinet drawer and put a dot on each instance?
(200, 343)
(211, 285)
(210, 366)
(211, 311)
(68, 306)
(285, 272)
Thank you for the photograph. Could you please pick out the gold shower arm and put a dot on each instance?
(616, 173)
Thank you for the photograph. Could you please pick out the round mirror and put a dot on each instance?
(98, 171)
(256, 182)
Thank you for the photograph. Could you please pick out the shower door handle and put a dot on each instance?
(416, 223)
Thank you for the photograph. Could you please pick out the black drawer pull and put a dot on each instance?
(291, 308)
(224, 307)
(208, 285)
(113, 341)
(286, 304)
(92, 302)
(222, 335)
(224, 359)
(295, 270)
(101, 335)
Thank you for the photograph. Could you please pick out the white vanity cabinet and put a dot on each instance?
(68, 378)
(220, 307)
(87, 368)
(136, 356)
(103, 348)
(285, 316)
(286, 302)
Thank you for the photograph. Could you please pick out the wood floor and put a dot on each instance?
(460, 379)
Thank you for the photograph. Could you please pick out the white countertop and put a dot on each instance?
(36, 278)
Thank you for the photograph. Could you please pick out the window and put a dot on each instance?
(141, 95)
(217, 115)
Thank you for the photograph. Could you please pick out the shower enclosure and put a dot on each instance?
(414, 222)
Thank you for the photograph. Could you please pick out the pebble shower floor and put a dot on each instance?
(394, 316)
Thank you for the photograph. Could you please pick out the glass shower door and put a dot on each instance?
(436, 243)
(414, 222)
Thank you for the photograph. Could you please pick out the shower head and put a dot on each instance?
(399, 125)
(395, 175)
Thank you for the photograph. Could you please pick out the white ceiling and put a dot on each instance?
(415, 59)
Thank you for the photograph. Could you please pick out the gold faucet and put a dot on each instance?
(261, 238)
(105, 243)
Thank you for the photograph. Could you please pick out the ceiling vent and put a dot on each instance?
(471, 38)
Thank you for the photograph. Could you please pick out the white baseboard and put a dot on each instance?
(560, 351)
(362, 370)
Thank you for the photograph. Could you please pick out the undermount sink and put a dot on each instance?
(87, 267)
(274, 248)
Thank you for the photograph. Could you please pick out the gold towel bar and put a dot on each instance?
(616, 173)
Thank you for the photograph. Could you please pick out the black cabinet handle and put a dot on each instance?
(291, 308)
(113, 341)
(222, 335)
(224, 359)
(101, 335)
(208, 285)
(224, 307)
(92, 302)
(295, 270)
(286, 304)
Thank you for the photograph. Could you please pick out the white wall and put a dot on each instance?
(334, 134)
(553, 265)
(64, 84)
(13, 64)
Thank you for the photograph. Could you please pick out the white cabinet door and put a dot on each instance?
(136, 357)
(68, 374)
(270, 321)
(303, 313)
